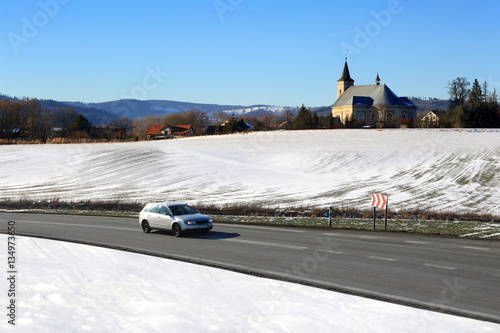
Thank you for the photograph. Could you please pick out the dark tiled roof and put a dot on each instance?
(345, 74)
(371, 95)
(362, 100)
(407, 101)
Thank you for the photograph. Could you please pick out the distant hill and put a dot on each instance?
(136, 108)
(430, 104)
(94, 115)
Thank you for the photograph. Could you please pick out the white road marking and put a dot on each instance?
(415, 242)
(439, 266)
(295, 247)
(330, 234)
(381, 258)
(477, 248)
(369, 237)
(265, 228)
(329, 251)
(83, 225)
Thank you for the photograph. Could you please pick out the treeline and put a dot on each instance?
(27, 119)
(474, 107)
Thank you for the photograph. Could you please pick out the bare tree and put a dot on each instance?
(63, 118)
(219, 117)
(121, 126)
(492, 97)
(37, 121)
(458, 90)
(12, 119)
(381, 116)
(197, 119)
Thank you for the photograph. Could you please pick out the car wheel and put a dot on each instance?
(176, 230)
(145, 227)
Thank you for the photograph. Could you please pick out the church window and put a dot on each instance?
(389, 116)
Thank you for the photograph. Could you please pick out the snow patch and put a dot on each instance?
(127, 292)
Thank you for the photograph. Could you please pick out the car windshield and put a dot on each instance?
(182, 210)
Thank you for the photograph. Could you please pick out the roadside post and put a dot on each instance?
(330, 212)
(380, 201)
(386, 204)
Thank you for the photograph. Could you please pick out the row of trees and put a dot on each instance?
(27, 119)
(471, 107)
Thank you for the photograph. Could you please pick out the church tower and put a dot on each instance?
(345, 80)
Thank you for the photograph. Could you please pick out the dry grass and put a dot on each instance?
(345, 212)
(60, 141)
(56, 204)
(254, 210)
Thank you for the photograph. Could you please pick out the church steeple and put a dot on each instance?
(377, 80)
(345, 73)
(345, 80)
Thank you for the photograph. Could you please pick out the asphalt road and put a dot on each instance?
(451, 275)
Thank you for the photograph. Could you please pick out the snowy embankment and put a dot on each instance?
(65, 287)
(456, 170)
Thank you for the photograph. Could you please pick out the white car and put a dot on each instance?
(175, 217)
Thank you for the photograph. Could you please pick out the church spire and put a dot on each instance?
(345, 73)
(377, 80)
(345, 80)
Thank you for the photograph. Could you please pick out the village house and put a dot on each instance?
(430, 118)
(169, 131)
(239, 126)
(370, 104)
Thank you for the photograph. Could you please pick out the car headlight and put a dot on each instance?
(190, 222)
(210, 221)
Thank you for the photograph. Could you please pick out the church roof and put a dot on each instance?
(345, 74)
(369, 95)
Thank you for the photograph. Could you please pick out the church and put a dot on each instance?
(370, 104)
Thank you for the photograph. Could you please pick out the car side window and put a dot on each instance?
(176, 210)
(147, 208)
(155, 209)
(164, 210)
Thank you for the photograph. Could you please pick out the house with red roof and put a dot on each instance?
(169, 131)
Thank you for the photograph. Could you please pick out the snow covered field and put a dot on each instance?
(433, 169)
(65, 287)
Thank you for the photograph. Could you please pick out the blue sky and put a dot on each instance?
(242, 52)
